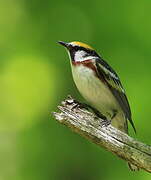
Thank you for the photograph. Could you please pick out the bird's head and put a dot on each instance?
(79, 51)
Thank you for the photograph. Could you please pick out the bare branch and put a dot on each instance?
(88, 125)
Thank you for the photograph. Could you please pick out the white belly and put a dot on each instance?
(94, 90)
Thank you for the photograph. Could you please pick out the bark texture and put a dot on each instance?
(93, 128)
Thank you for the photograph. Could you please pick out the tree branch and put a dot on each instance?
(88, 125)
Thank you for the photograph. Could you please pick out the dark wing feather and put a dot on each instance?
(113, 82)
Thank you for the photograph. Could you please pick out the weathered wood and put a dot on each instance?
(88, 125)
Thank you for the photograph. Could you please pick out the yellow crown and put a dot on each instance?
(81, 44)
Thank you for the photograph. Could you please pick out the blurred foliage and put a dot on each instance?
(35, 76)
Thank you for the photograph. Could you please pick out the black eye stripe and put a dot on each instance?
(89, 52)
(79, 48)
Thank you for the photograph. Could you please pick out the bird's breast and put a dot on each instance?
(93, 89)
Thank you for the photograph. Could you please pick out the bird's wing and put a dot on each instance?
(113, 82)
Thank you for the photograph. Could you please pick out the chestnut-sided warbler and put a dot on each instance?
(100, 85)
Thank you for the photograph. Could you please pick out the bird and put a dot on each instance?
(100, 86)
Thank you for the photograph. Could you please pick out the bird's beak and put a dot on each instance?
(64, 44)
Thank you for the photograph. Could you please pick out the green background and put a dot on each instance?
(35, 76)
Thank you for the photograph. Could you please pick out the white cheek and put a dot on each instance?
(79, 55)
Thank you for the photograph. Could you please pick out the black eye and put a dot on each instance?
(76, 48)
(89, 52)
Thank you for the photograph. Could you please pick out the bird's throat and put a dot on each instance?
(87, 63)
